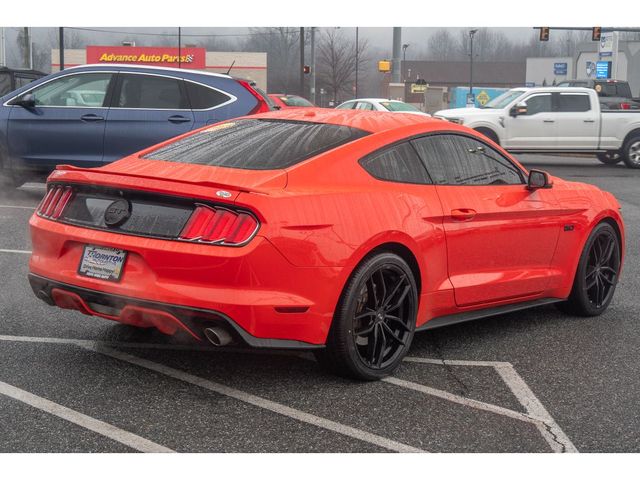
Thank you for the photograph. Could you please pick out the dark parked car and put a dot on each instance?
(613, 94)
(92, 115)
(12, 78)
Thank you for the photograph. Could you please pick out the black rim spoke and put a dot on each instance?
(397, 286)
(401, 300)
(392, 334)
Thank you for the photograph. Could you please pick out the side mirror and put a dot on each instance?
(27, 101)
(538, 179)
(519, 109)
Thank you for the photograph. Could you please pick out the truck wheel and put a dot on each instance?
(610, 157)
(490, 134)
(631, 152)
(374, 323)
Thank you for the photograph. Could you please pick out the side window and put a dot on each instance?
(80, 90)
(573, 102)
(399, 163)
(346, 106)
(460, 160)
(150, 91)
(364, 106)
(538, 103)
(203, 98)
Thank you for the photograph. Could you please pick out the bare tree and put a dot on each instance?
(336, 62)
(442, 46)
(282, 45)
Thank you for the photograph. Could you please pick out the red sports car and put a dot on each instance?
(289, 101)
(338, 231)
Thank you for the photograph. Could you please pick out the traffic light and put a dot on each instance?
(596, 34)
(306, 69)
(544, 34)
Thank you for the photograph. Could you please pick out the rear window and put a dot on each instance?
(295, 101)
(203, 97)
(257, 144)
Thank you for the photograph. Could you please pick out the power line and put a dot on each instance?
(175, 34)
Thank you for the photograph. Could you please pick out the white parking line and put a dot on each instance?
(105, 429)
(102, 348)
(536, 413)
(261, 402)
(8, 250)
(18, 206)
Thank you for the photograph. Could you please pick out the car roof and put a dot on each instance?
(373, 100)
(148, 67)
(369, 121)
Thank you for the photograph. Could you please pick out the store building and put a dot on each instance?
(609, 58)
(249, 65)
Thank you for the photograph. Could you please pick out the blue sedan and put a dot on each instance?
(94, 114)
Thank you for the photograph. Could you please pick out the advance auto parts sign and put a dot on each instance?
(157, 56)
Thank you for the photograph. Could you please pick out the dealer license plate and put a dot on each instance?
(102, 262)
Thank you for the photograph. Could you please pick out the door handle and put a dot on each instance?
(178, 119)
(589, 121)
(463, 214)
(549, 121)
(91, 117)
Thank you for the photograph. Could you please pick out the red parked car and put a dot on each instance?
(289, 101)
(338, 231)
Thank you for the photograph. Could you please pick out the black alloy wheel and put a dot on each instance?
(374, 324)
(597, 273)
(381, 324)
(601, 274)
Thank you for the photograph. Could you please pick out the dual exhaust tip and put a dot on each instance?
(217, 336)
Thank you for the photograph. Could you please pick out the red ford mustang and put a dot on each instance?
(339, 231)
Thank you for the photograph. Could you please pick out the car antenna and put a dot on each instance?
(232, 64)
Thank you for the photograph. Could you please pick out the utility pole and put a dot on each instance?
(397, 45)
(61, 46)
(302, 61)
(26, 46)
(3, 50)
(470, 97)
(357, 53)
(312, 79)
(179, 47)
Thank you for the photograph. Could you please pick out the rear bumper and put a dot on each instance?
(254, 289)
(166, 317)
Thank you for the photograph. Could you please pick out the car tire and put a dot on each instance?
(631, 152)
(597, 273)
(610, 157)
(380, 302)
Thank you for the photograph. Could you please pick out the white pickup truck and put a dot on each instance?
(555, 120)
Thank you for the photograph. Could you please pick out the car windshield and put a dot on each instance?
(256, 144)
(295, 101)
(503, 100)
(399, 107)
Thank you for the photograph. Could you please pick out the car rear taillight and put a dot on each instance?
(625, 106)
(55, 201)
(220, 226)
(262, 106)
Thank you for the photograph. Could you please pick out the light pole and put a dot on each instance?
(404, 55)
(471, 34)
(356, 89)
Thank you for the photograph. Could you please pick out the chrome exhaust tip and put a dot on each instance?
(217, 336)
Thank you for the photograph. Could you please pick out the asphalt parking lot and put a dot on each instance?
(532, 381)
